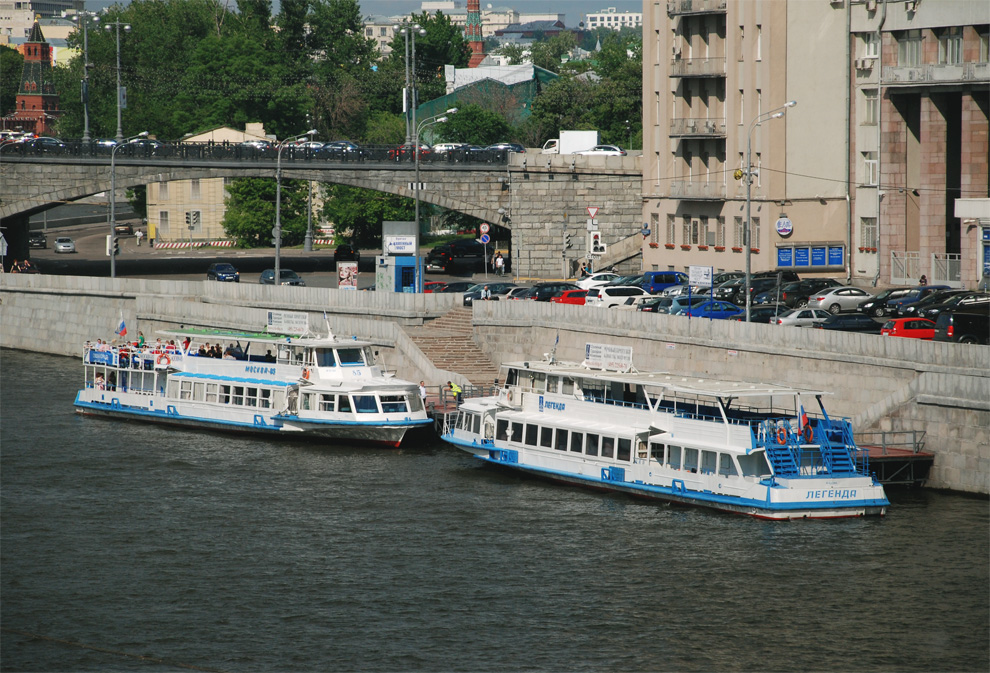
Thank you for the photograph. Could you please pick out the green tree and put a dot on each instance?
(250, 214)
(11, 64)
(546, 54)
(385, 128)
(513, 53)
(443, 44)
(362, 211)
(475, 125)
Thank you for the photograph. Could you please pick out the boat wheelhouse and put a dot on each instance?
(745, 448)
(321, 387)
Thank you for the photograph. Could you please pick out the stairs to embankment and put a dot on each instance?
(449, 343)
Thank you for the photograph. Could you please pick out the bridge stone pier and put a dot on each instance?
(540, 198)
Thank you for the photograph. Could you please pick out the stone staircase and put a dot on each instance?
(449, 343)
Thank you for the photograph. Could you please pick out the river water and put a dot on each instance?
(127, 546)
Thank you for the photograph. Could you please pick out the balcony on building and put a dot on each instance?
(689, 127)
(682, 7)
(697, 67)
(934, 74)
(697, 190)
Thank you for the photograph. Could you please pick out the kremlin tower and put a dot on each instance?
(473, 33)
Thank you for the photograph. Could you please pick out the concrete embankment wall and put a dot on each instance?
(940, 389)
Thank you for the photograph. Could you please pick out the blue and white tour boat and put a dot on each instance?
(746, 448)
(297, 385)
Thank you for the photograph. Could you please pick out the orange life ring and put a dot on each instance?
(809, 434)
(165, 358)
(781, 436)
(509, 396)
(306, 374)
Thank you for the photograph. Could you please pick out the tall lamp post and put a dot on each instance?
(437, 119)
(118, 24)
(776, 113)
(113, 200)
(409, 92)
(83, 17)
(277, 231)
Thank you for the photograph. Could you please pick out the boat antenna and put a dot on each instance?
(552, 355)
(329, 331)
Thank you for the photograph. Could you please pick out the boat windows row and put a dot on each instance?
(361, 404)
(225, 393)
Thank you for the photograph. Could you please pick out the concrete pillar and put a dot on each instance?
(973, 179)
(933, 181)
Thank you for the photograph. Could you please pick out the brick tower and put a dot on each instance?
(472, 32)
(37, 102)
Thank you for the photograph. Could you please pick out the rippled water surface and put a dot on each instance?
(244, 554)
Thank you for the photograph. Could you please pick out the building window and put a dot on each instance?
(671, 230)
(163, 191)
(737, 232)
(871, 46)
(720, 232)
(707, 237)
(686, 230)
(369, 32)
(759, 102)
(759, 169)
(383, 32)
(688, 159)
(872, 107)
(868, 232)
(950, 45)
(870, 174)
(759, 42)
(694, 232)
(754, 241)
(984, 34)
(742, 107)
(909, 48)
(194, 191)
(655, 228)
(163, 224)
(742, 51)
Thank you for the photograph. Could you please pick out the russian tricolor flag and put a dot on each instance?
(121, 327)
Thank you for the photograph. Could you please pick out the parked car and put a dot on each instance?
(37, 239)
(255, 148)
(575, 297)
(728, 289)
(659, 304)
(963, 327)
(44, 145)
(801, 317)
(657, 281)
(713, 309)
(918, 308)
(474, 292)
(916, 294)
(545, 291)
(961, 302)
(636, 279)
(123, 228)
(605, 151)
(286, 277)
(447, 148)
(506, 147)
(851, 322)
(456, 287)
(634, 303)
(911, 328)
(64, 244)
(341, 150)
(454, 255)
(433, 286)
(782, 276)
(679, 304)
(838, 299)
(765, 313)
(225, 272)
(346, 253)
(877, 306)
(596, 280)
(610, 296)
(795, 293)
(518, 293)
(405, 152)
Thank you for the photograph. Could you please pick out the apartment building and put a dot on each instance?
(611, 18)
(718, 75)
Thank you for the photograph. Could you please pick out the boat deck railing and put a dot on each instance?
(904, 440)
(822, 446)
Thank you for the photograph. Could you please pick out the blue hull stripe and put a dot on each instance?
(677, 494)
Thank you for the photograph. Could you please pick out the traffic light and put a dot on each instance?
(189, 219)
(567, 240)
(116, 245)
(109, 244)
(595, 245)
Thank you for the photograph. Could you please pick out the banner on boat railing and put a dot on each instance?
(288, 322)
(608, 356)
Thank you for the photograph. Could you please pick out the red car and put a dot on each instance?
(912, 328)
(570, 297)
(406, 152)
(433, 286)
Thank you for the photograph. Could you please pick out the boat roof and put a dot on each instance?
(708, 387)
(204, 334)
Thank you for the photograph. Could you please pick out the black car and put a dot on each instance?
(968, 301)
(449, 257)
(475, 291)
(224, 272)
(877, 305)
(544, 291)
(507, 147)
(456, 287)
(341, 150)
(763, 313)
(918, 307)
(965, 327)
(37, 239)
(851, 322)
(286, 277)
(346, 253)
(44, 145)
(783, 276)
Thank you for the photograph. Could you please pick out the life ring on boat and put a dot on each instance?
(809, 434)
(781, 436)
(306, 374)
(164, 358)
(508, 396)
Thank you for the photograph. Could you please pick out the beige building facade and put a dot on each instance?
(192, 210)
(716, 76)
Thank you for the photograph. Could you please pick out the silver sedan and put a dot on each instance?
(801, 317)
(838, 299)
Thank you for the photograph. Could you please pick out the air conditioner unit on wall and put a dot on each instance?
(871, 5)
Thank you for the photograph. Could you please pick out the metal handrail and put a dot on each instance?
(911, 440)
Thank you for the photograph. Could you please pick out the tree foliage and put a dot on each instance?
(362, 211)
(475, 125)
(546, 54)
(11, 64)
(250, 214)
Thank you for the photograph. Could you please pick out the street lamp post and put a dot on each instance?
(409, 92)
(126, 26)
(438, 119)
(113, 199)
(277, 231)
(83, 18)
(776, 113)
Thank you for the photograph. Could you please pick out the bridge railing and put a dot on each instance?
(253, 151)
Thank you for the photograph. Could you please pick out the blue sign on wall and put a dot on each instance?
(818, 256)
(785, 256)
(836, 256)
(801, 257)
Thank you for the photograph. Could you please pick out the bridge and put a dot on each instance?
(540, 198)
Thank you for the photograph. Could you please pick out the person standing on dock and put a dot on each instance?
(422, 392)
(455, 390)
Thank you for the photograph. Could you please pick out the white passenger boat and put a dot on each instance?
(266, 383)
(746, 448)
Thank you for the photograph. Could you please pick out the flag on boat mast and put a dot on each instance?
(804, 419)
(121, 326)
